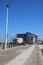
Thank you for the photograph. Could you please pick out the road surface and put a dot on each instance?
(26, 55)
(35, 58)
(31, 56)
(8, 55)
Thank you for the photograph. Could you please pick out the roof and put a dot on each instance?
(28, 33)
(20, 35)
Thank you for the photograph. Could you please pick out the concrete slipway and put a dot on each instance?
(31, 56)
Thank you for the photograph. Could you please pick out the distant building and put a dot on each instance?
(27, 37)
(39, 41)
(34, 38)
(21, 38)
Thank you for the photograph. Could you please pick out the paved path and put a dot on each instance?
(8, 55)
(35, 58)
(31, 56)
(27, 57)
(19, 60)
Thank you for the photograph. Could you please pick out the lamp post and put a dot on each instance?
(6, 33)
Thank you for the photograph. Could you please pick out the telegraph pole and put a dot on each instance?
(6, 32)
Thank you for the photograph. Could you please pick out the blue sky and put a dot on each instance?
(24, 16)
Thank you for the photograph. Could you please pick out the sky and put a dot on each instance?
(24, 16)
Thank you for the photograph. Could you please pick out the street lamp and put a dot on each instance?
(6, 33)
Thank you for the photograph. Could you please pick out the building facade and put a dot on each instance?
(28, 37)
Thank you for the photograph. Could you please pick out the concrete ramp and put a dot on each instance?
(21, 59)
(35, 58)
